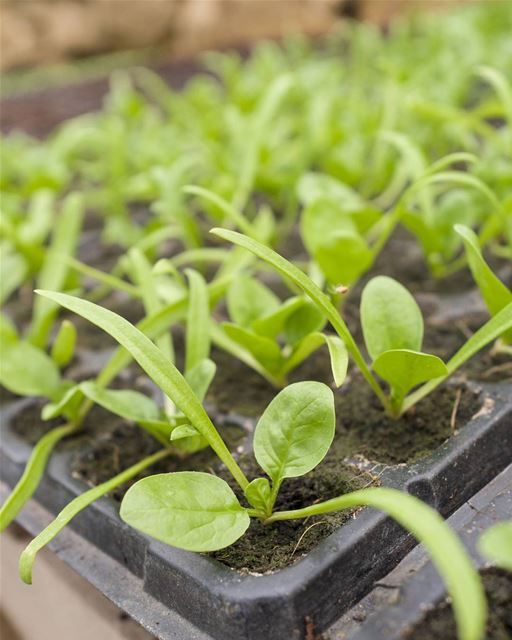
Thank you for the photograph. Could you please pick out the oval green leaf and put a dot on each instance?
(390, 317)
(295, 431)
(190, 510)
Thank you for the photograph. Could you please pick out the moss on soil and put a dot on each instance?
(440, 623)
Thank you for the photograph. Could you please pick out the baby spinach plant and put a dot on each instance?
(338, 221)
(74, 401)
(200, 512)
(495, 293)
(393, 330)
(259, 319)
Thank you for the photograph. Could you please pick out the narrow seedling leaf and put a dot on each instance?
(197, 346)
(32, 474)
(130, 405)
(63, 346)
(265, 350)
(344, 258)
(159, 368)
(55, 268)
(200, 377)
(82, 501)
(249, 300)
(495, 294)
(190, 510)
(427, 526)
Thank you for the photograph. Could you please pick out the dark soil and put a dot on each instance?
(486, 366)
(440, 623)
(364, 430)
(119, 445)
(267, 548)
(362, 427)
(29, 425)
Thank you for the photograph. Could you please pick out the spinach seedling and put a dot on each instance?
(393, 335)
(496, 295)
(73, 402)
(200, 512)
(338, 221)
(259, 319)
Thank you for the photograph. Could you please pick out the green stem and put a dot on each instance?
(322, 301)
(75, 506)
(428, 527)
(34, 469)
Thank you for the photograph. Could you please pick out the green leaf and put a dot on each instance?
(271, 325)
(496, 545)
(67, 404)
(249, 300)
(55, 268)
(163, 373)
(184, 431)
(197, 340)
(63, 346)
(130, 405)
(427, 526)
(40, 218)
(320, 219)
(390, 317)
(295, 431)
(14, 270)
(190, 510)
(495, 294)
(258, 494)
(32, 473)
(223, 341)
(28, 371)
(491, 330)
(201, 376)
(265, 350)
(288, 270)
(28, 556)
(230, 212)
(339, 358)
(305, 320)
(344, 258)
(302, 350)
(145, 278)
(405, 369)
(8, 333)
(110, 281)
(315, 186)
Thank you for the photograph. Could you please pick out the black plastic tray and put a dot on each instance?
(319, 587)
(425, 590)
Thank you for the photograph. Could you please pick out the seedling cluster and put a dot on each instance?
(305, 162)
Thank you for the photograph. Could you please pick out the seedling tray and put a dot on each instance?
(318, 588)
(425, 590)
(197, 597)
